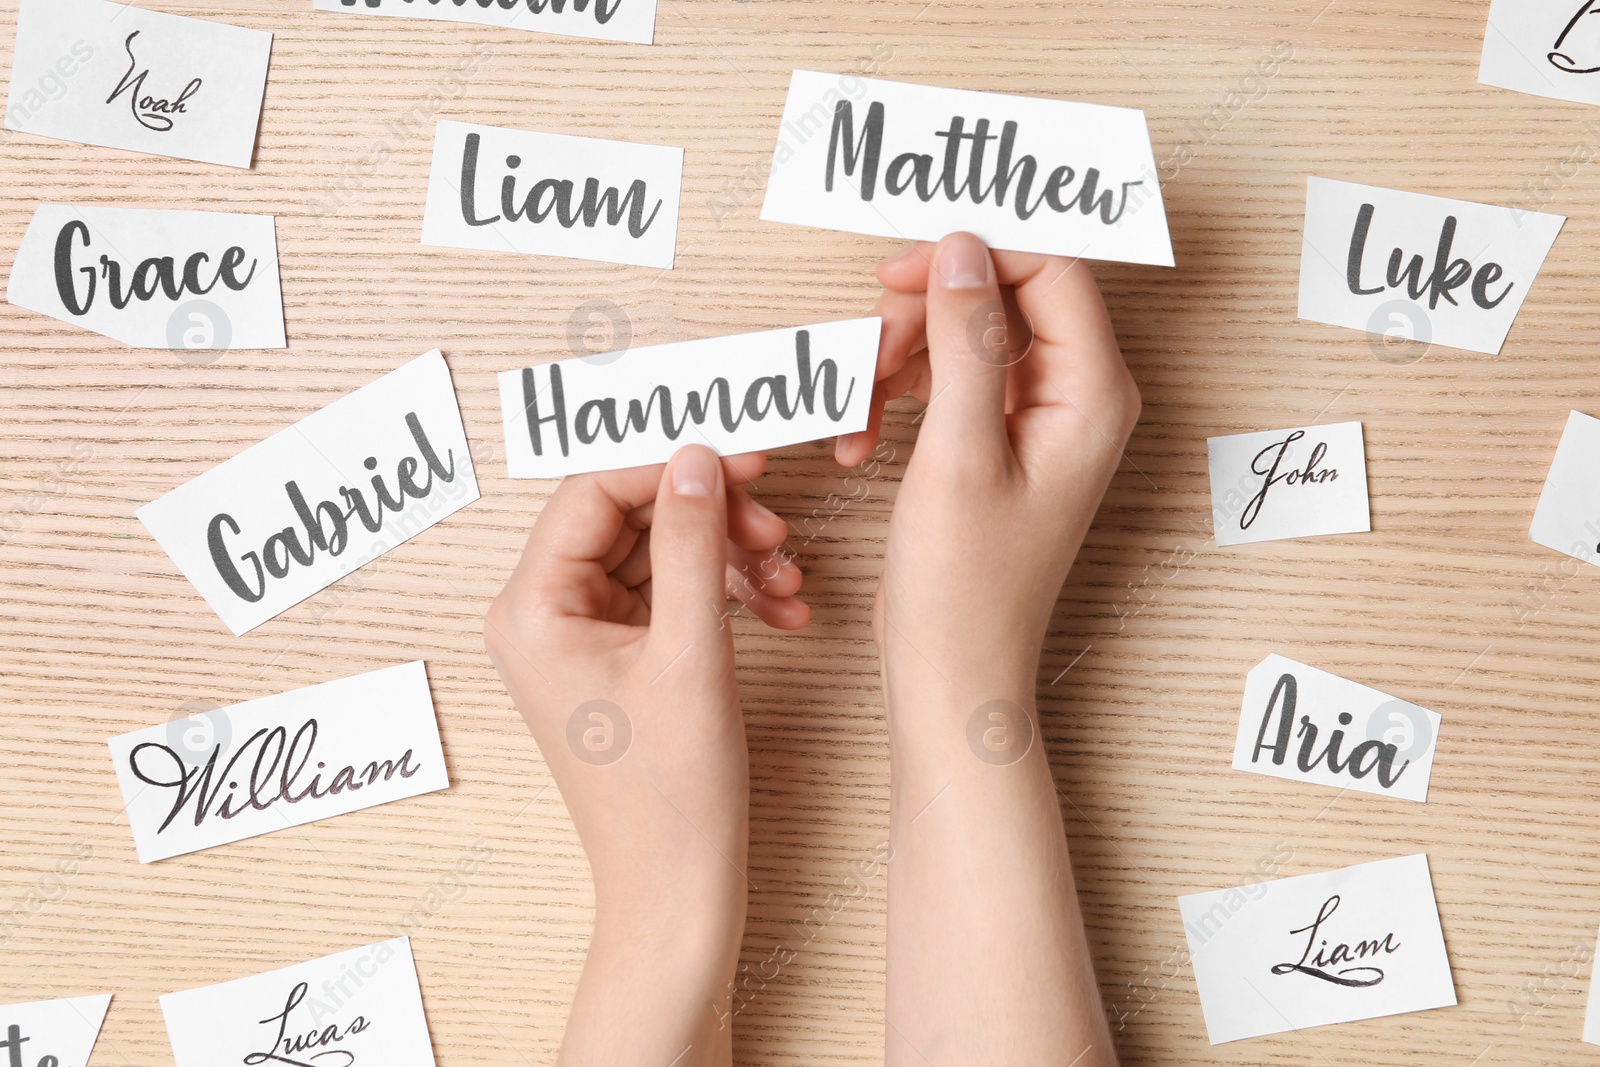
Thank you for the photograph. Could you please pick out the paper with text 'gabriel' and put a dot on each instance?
(916, 162)
(745, 393)
(630, 21)
(1303, 482)
(52, 1033)
(1547, 48)
(1568, 516)
(289, 516)
(280, 761)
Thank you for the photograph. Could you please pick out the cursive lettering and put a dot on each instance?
(1363, 759)
(156, 276)
(1321, 965)
(602, 11)
(151, 112)
(284, 1047)
(552, 197)
(13, 1046)
(1447, 274)
(1307, 475)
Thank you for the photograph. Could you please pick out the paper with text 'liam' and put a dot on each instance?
(53, 1033)
(745, 393)
(358, 1008)
(1544, 47)
(1302, 482)
(120, 76)
(1591, 1018)
(279, 761)
(1416, 268)
(293, 514)
(916, 162)
(630, 21)
(1306, 725)
(1356, 943)
(153, 278)
(550, 194)
(1568, 516)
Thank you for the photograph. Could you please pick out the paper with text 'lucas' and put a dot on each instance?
(745, 393)
(1568, 516)
(54, 1033)
(916, 162)
(1416, 268)
(1544, 47)
(1304, 482)
(358, 1008)
(1360, 942)
(1306, 725)
(279, 761)
(631, 21)
(293, 514)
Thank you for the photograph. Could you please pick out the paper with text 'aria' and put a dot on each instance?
(291, 515)
(1547, 48)
(1568, 516)
(630, 21)
(53, 1033)
(745, 393)
(1305, 482)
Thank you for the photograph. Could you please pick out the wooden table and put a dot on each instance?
(1446, 603)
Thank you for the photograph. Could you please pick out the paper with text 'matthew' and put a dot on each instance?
(1568, 516)
(1418, 268)
(289, 516)
(916, 162)
(552, 195)
(1356, 943)
(119, 76)
(359, 1008)
(1275, 484)
(52, 1033)
(1544, 47)
(744, 393)
(631, 21)
(153, 278)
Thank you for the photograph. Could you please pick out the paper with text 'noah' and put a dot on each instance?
(630, 21)
(279, 761)
(53, 1033)
(916, 162)
(119, 76)
(1303, 482)
(1306, 725)
(1568, 516)
(293, 514)
(551, 194)
(359, 1008)
(745, 393)
(153, 278)
(1420, 268)
(1360, 942)
(1544, 47)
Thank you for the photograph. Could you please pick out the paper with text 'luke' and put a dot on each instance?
(630, 21)
(916, 162)
(53, 1033)
(358, 1008)
(745, 393)
(1544, 47)
(1591, 1018)
(1360, 942)
(1304, 482)
(1417, 268)
(1568, 516)
(280, 761)
(291, 515)
(1306, 725)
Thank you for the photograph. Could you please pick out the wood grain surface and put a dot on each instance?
(1446, 602)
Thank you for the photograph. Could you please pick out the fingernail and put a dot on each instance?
(694, 472)
(963, 262)
(763, 510)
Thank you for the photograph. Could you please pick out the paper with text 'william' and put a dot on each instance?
(1303, 482)
(54, 1033)
(1360, 942)
(916, 162)
(1544, 47)
(1306, 725)
(293, 514)
(745, 393)
(1568, 516)
(279, 761)
(1417, 268)
(631, 21)
(358, 1008)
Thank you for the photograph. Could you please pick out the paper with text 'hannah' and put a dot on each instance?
(745, 393)
(1306, 725)
(53, 1033)
(153, 278)
(1544, 47)
(280, 761)
(1356, 943)
(359, 1008)
(630, 21)
(1568, 516)
(291, 515)
(916, 162)
(551, 194)
(1275, 484)
(1420, 268)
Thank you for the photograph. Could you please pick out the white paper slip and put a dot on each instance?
(1544, 47)
(1568, 516)
(280, 761)
(1306, 725)
(361, 1008)
(121, 76)
(633, 21)
(154, 278)
(917, 162)
(1591, 1018)
(745, 393)
(1356, 943)
(52, 1033)
(1288, 483)
(293, 514)
(1424, 268)
(550, 194)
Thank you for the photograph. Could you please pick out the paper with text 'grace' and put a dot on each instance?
(551, 194)
(1303, 482)
(54, 1033)
(358, 1008)
(1547, 48)
(119, 76)
(280, 761)
(630, 21)
(1568, 516)
(289, 516)
(1360, 942)
(745, 393)
(1306, 725)
(1418, 268)
(917, 162)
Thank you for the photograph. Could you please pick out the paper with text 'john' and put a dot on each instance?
(1305, 482)
(52, 1033)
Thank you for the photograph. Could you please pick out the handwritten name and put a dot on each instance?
(292, 1049)
(151, 112)
(1368, 756)
(602, 11)
(13, 1046)
(1322, 964)
(1446, 276)
(552, 198)
(1266, 464)
(153, 277)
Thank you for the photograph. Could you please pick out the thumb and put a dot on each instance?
(968, 347)
(689, 545)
